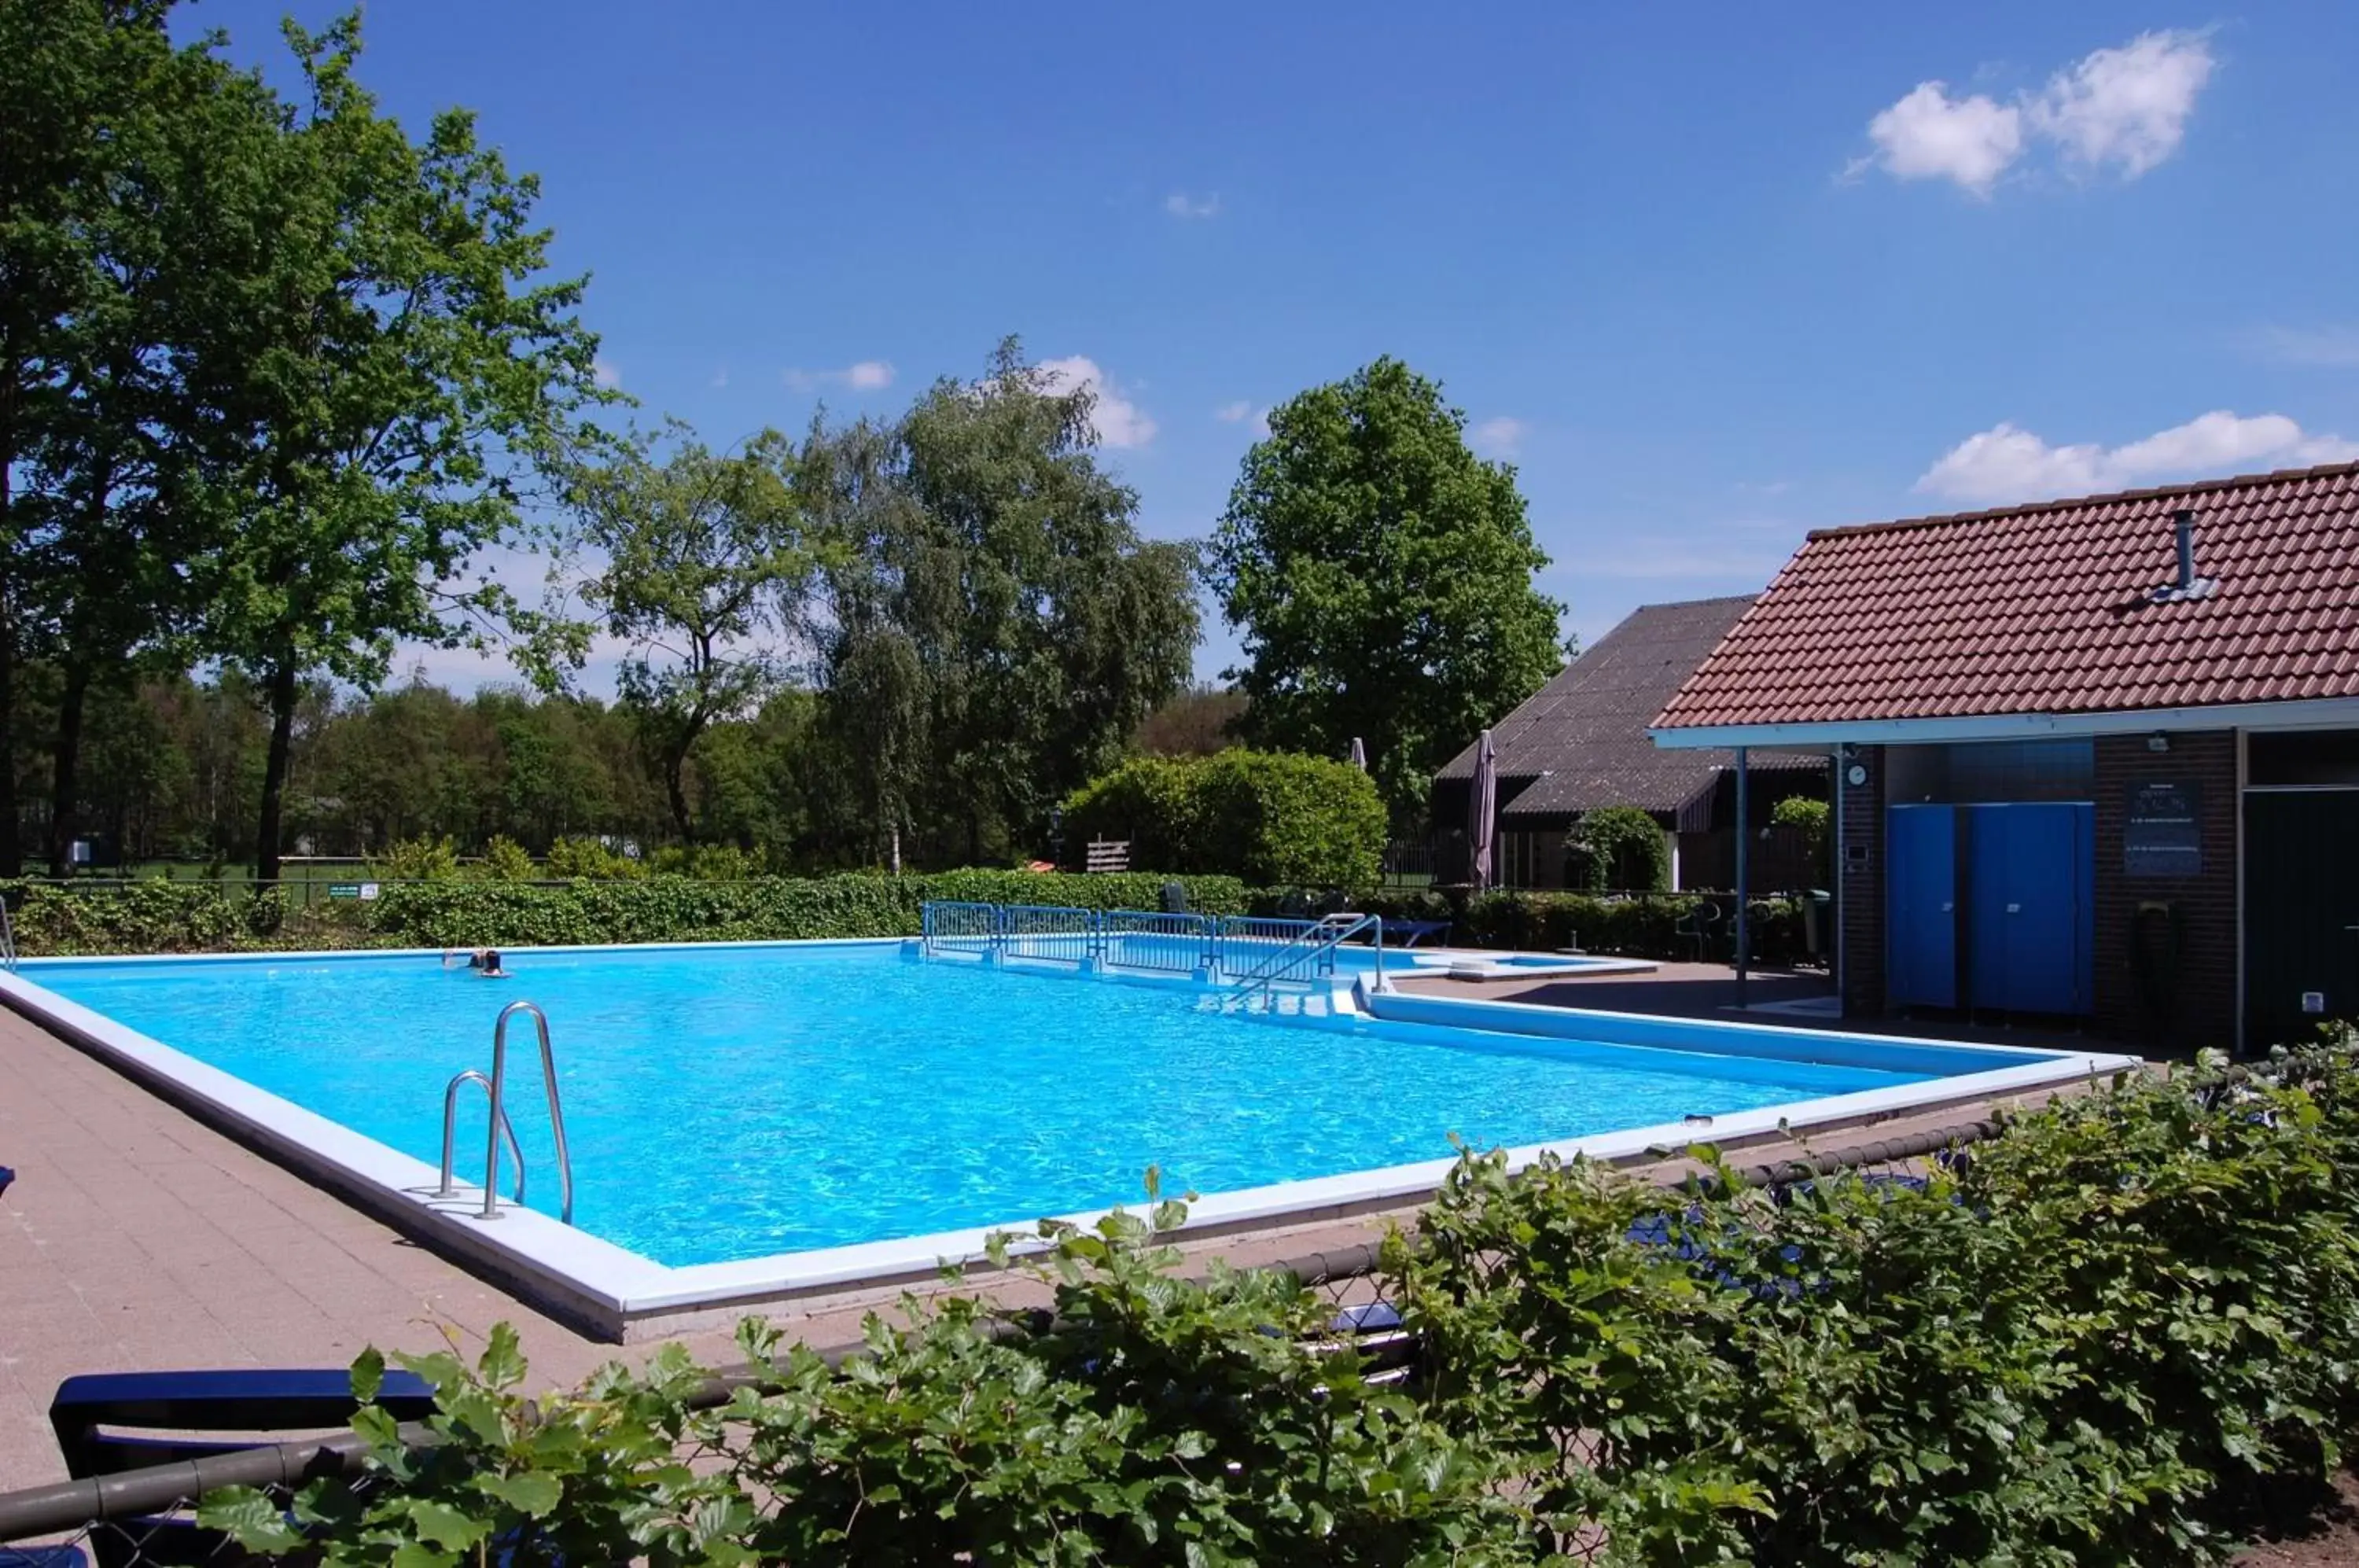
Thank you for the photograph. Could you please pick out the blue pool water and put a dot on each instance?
(731, 1103)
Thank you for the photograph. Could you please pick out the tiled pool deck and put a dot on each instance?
(137, 1238)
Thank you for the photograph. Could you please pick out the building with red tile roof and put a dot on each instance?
(2139, 710)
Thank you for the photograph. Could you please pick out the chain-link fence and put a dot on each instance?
(144, 1518)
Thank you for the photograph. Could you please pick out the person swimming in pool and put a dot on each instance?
(481, 961)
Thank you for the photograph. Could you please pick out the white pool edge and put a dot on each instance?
(607, 1288)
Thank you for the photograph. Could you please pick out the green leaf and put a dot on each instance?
(250, 1517)
(533, 1493)
(368, 1374)
(441, 1524)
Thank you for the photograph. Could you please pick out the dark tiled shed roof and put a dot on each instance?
(2050, 609)
(1580, 742)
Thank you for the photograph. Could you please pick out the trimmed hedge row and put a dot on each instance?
(672, 909)
(192, 917)
(1643, 925)
(2123, 1333)
(177, 916)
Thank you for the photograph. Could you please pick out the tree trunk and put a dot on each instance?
(12, 848)
(674, 791)
(282, 693)
(64, 780)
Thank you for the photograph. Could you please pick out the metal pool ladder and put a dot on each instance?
(1307, 950)
(494, 1089)
(8, 937)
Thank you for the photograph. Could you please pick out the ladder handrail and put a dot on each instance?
(7, 937)
(556, 1112)
(451, 1126)
(1323, 936)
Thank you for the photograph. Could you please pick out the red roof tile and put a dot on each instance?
(2048, 609)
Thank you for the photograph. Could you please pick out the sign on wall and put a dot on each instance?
(2164, 834)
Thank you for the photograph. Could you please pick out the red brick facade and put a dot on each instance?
(2167, 947)
(1861, 883)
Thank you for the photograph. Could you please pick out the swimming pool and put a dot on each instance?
(761, 1112)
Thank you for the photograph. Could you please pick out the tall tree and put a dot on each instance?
(1008, 591)
(73, 76)
(176, 209)
(1381, 574)
(388, 376)
(707, 577)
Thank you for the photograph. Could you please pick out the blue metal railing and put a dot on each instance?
(1254, 952)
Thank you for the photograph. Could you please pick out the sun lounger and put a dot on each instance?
(109, 1422)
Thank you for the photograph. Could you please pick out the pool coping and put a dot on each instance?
(610, 1292)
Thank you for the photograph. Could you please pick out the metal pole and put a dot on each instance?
(1744, 878)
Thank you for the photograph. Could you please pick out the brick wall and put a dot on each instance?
(2194, 1002)
(1860, 887)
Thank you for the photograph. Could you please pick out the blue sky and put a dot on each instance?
(1708, 278)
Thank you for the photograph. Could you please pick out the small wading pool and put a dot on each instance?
(749, 1120)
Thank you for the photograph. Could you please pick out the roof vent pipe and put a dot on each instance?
(2186, 522)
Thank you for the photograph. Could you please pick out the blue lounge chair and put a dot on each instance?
(1414, 931)
(109, 1422)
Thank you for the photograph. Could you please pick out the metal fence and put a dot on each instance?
(139, 1518)
(1159, 944)
(1048, 933)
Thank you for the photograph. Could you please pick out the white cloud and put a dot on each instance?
(2334, 346)
(1931, 136)
(1499, 437)
(2121, 110)
(2009, 464)
(865, 376)
(1119, 422)
(2126, 107)
(1179, 204)
(1243, 412)
(605, 372)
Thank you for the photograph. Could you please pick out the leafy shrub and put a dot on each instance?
(1267, 817)
(1621, 847)
(587, 857)
(1167, 1421)
(154, 916)
(2091, 1344)
(1810, 819)
(706, 862)
(505, 860)
(416, 860)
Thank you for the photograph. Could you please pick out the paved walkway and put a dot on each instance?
(138, 1238)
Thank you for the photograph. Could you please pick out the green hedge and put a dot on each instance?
(1264, 817)
(1641, 926)
(669, 908)
(2123, 1333)
(169, 917)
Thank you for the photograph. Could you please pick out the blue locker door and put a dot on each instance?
(2030, 918)
(1921, 921)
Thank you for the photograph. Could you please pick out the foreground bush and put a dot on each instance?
(2098, 1342)
(1268, 818)
(1166, 1422)
(2116, 1335)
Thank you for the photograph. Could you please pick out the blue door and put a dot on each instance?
(1920, 919)
(2030, 917)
